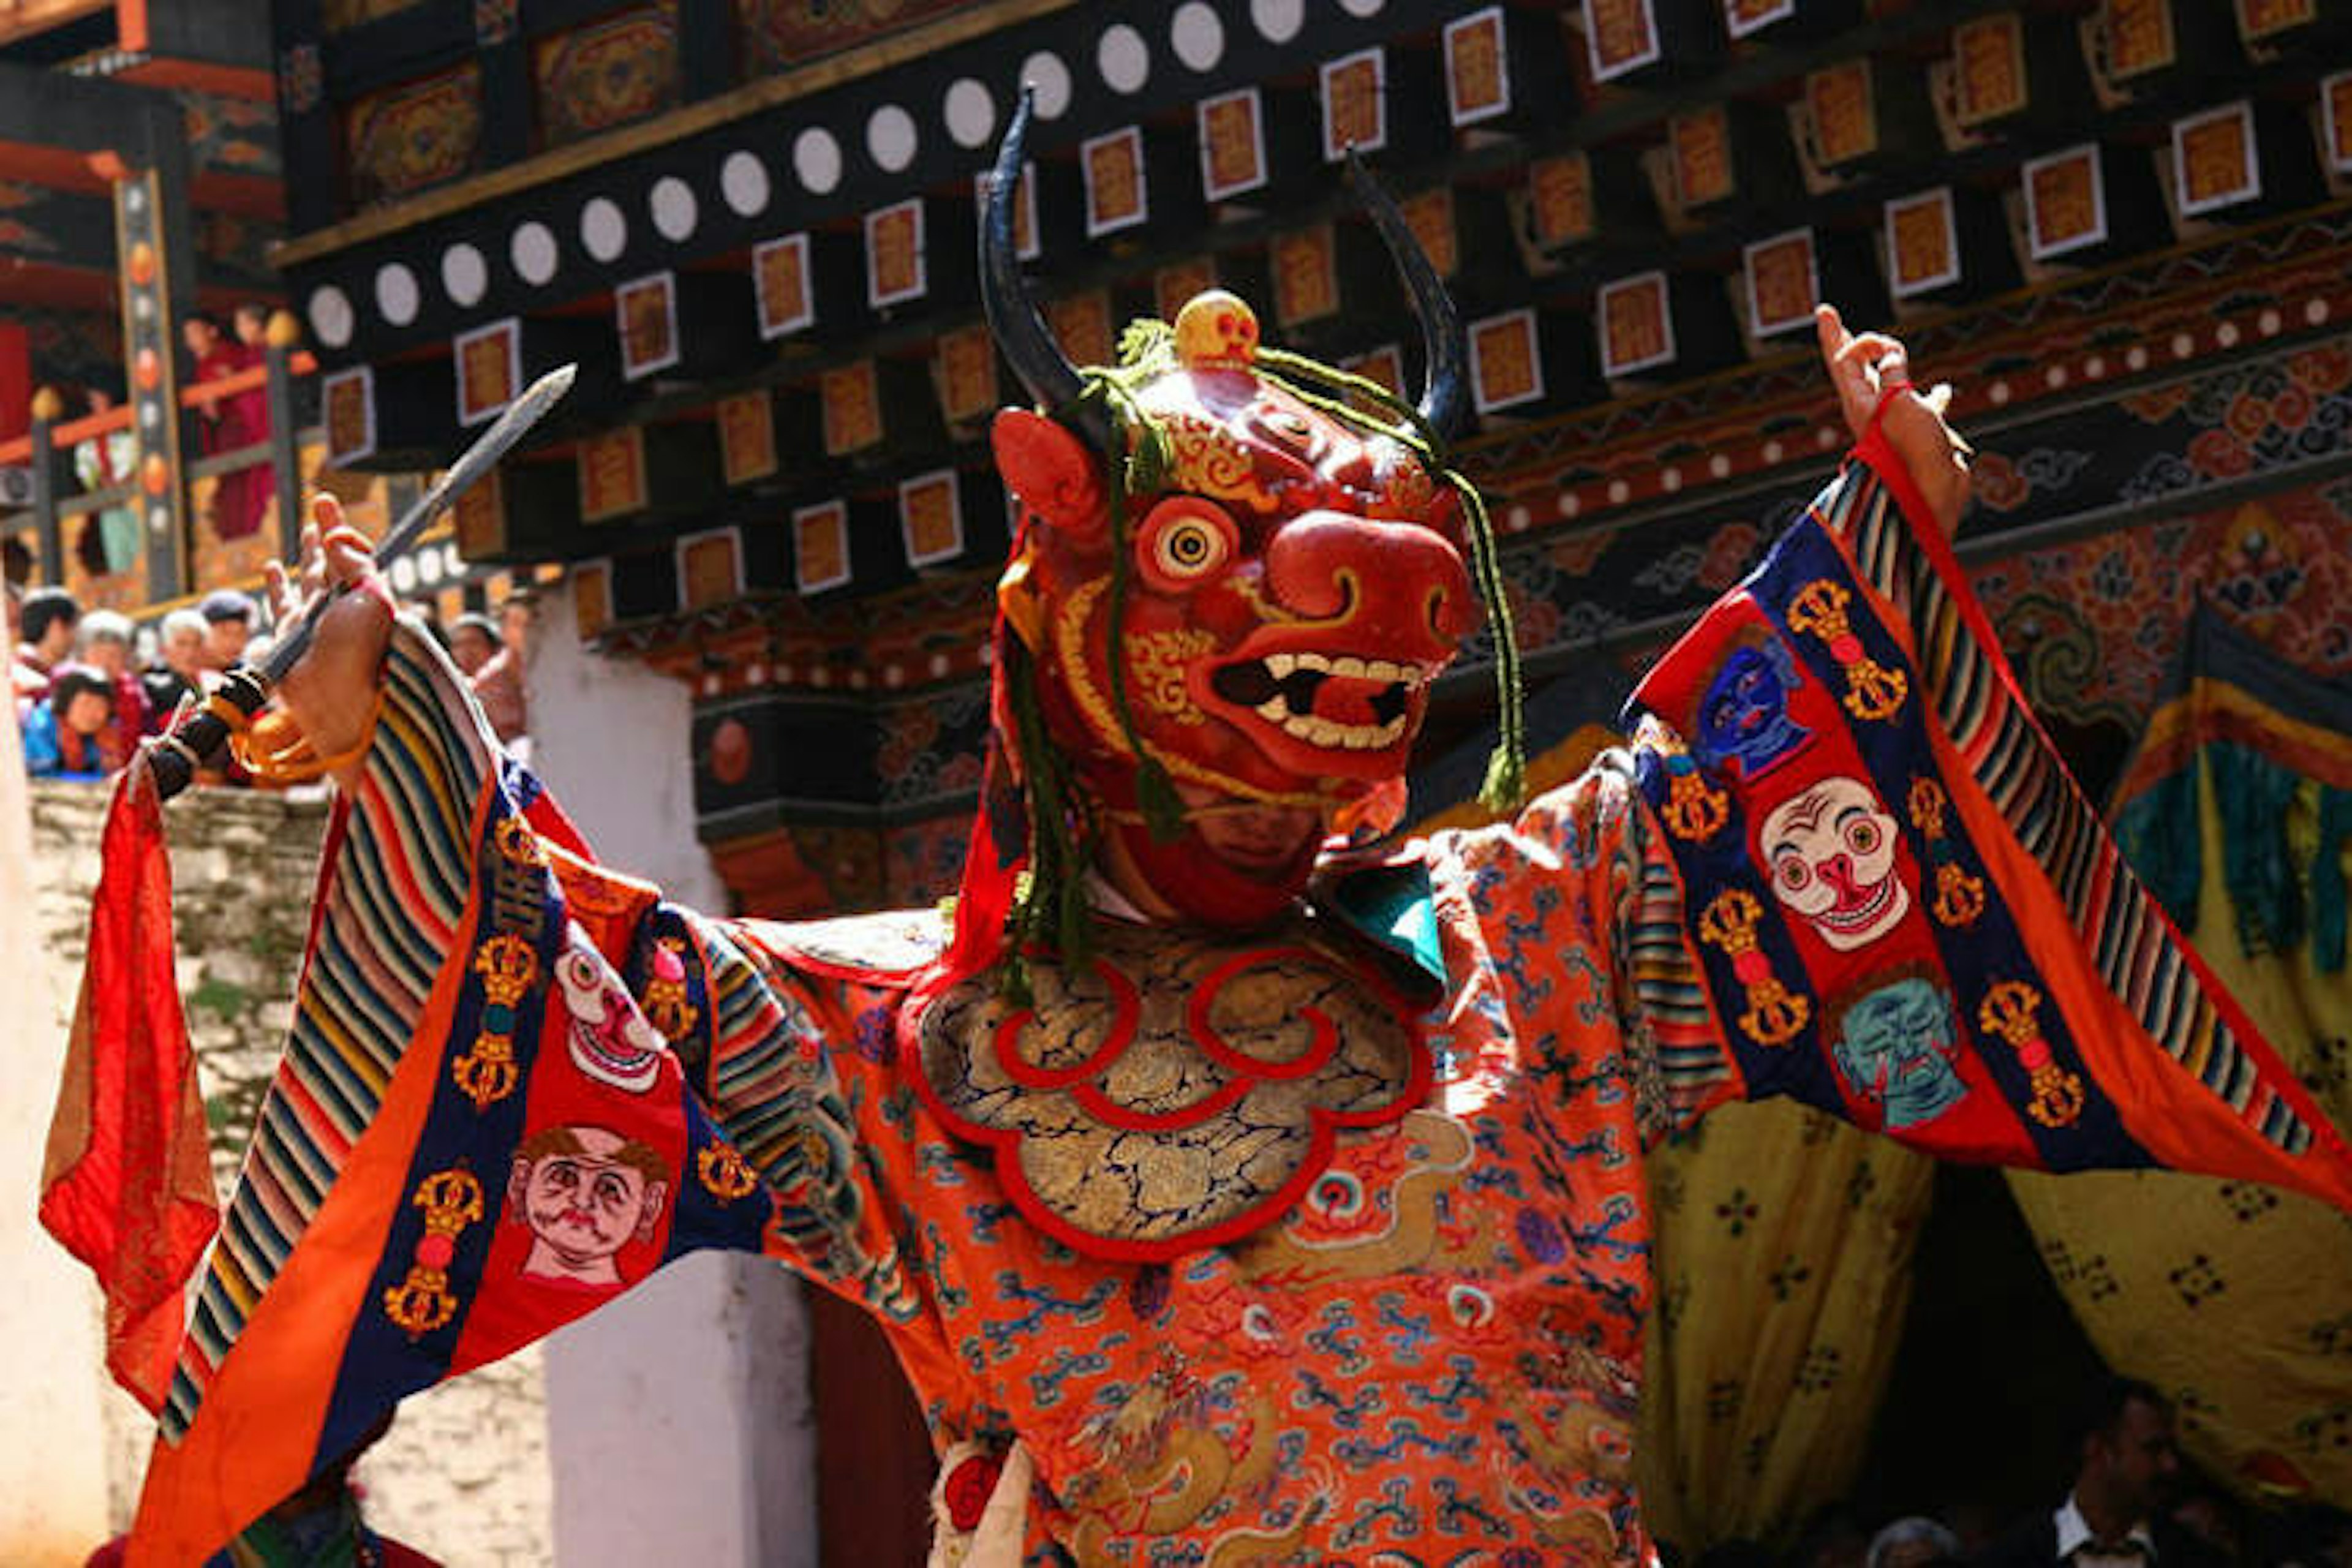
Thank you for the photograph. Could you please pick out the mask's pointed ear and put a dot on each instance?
(1049, 471)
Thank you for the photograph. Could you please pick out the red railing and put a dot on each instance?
(202, 395)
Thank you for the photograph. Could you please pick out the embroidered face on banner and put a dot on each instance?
(609, 1038)
(1831, 849)
(585, 1192)
(1894, 1046)
(1745, 713)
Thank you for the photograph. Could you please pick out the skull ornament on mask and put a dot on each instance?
(1285, 592)
(1832, 851)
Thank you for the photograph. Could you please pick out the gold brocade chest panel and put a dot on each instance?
(1177, 1090)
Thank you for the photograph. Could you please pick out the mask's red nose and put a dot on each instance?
(1408, 588)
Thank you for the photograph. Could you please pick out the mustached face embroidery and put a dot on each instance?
(610, 1039)
(1832, 851)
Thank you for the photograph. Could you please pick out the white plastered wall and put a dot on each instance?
(679, 1422)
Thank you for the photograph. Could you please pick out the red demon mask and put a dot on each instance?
(1258, 617)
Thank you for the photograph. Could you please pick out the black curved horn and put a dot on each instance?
(1442, 399)
(1012, 316)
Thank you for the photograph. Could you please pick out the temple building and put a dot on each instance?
(2120, 230)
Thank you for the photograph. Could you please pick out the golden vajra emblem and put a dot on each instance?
(422, 1301)
(1694, 809)
(508, 966)
(2013, 1010)
(724, 1173)
(487, 1072)
(1871, 690)
(518, 843)
(1774, 1013)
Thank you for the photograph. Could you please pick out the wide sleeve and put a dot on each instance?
(489, 1119)
(1860, 856)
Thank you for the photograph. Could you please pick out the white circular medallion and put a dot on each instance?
(403, 574)
(891, 138)
(1123, 58)
(533, 251)
(142, 306)
(331, 316)
(159, 519)
(743, 182)
(1278, 21)
(428, 567)
(604, 228)
(150, 416)
(1361, 7)
(465, 275)
(816, 160)
(970, 112)
(1197, 33)
(672, 202)
(396, 293)
(1049, 78)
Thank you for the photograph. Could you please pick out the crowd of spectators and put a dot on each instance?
(2131, 1503)
(84, 703)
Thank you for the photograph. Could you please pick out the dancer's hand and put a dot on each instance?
(331, 692)
(1862, 368)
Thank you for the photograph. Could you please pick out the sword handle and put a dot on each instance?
(199, 740)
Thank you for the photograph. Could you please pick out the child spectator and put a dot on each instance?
(103, 642)
(62, 733)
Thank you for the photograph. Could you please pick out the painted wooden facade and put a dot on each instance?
(2117, 227)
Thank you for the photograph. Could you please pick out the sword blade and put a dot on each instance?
(474, 461)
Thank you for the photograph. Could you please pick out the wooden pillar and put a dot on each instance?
(49, 530)
(150, 354)
(285, 451)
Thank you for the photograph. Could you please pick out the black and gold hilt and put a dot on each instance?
(200, 741)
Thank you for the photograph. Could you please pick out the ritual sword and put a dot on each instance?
(174, 758)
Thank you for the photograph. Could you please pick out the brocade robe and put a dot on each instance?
(1838, 862)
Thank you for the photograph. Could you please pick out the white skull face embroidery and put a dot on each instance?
(1831, 853)
(610, 1039)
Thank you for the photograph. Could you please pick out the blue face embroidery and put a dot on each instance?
(1895, 1048)
(1745, 713)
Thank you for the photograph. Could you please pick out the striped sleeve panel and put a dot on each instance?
(1671, 1020)
(774, 1089)
(1997, 740)
(386, 916)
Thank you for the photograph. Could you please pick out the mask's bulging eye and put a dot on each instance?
(1183, 541)
(1189, 547)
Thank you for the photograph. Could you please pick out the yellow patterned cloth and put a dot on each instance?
(2235, 1299)
(1784, 1265)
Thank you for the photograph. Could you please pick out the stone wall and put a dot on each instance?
(463, 1475)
